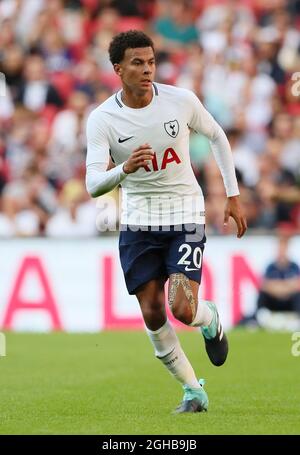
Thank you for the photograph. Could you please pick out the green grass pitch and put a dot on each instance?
(110, 383)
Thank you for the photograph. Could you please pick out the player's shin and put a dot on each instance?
(168, 350)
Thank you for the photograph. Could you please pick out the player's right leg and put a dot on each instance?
(167, 347)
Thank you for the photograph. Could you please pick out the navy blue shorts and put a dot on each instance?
(146, 254)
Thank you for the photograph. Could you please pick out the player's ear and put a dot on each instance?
(118, 69)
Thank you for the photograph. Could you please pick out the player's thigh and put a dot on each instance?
(185, 252)
(142, 259)
(182, 289)
(184, 264)
(152, 292)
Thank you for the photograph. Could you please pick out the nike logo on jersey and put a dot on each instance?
(187, 269)
(124, 140)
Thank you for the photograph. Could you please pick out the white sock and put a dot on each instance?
(203, 316)
(168, 350)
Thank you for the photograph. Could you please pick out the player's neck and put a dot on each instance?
(136, 100)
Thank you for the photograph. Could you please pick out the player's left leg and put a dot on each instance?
(185, 306)
(184, 266)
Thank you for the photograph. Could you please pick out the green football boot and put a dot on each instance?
(194, 400)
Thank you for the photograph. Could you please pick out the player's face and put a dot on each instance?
(137, 69)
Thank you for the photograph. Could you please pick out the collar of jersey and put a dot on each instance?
(119, 98)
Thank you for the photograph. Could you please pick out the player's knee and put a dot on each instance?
(153, 314)
(182, 312)
(150, 310)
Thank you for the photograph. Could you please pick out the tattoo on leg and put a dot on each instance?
(177, 280)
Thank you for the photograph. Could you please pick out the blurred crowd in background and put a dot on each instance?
(241, 58)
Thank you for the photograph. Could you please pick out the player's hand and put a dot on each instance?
(140, 157)
(233, 208)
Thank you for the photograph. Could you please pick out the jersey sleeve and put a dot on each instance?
(98, 180)
(201, 121)
(97, 140)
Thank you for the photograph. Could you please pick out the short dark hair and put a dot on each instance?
(127, 40)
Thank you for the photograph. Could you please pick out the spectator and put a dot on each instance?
(176, 26)
(67, 151)
(55, 51)
(28, 202)
(280, 289)
(36, 92)
(76, 216)
(12, 66)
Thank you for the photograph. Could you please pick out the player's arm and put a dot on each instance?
(202, 122)
(100, 177)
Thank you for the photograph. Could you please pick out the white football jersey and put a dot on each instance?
(166, 191)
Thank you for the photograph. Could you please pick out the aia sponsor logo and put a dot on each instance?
(170, 156)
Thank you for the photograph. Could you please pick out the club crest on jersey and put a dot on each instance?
(172, 128)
